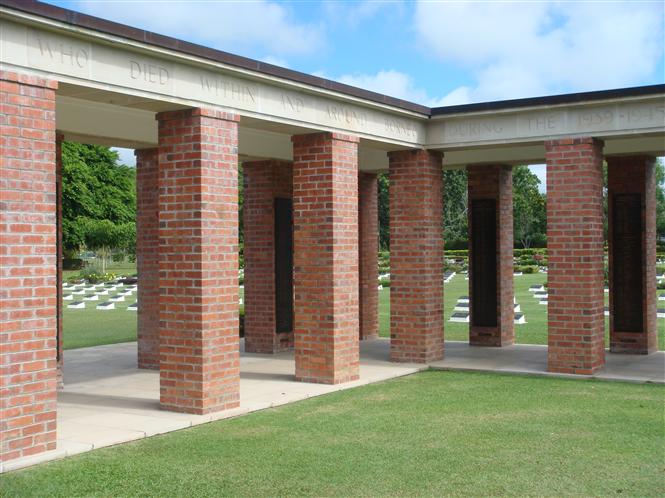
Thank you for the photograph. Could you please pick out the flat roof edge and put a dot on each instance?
(74, 18)
(566, 98)
(86, 21)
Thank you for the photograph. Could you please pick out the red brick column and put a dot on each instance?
(28, 267)
(575, 255)
(368, 245)
(632, 272)
(325, 217)
(491, 279)
(59, 255)
(147, 256)
(198, 260)
(264, 182)
(416, 256)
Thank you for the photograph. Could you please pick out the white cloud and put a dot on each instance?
(231, 26)
(523, 49)
(387, 82)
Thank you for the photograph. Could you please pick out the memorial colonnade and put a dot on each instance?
(310, 155)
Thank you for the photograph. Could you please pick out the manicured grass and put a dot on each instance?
(434, 434)
(91, 327)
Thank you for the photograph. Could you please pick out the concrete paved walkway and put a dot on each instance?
(107, 400)
(532, 360)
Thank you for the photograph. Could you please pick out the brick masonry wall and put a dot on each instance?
(495, 182)
(325, 210)
(198, 260)
(147, 256)
(368, 244)
(264, 181)
(28, 297)
(636, 174)
(416, 256)
(575, 255)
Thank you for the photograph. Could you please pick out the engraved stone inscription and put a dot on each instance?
(59, 54)
(400, 127)
(64, 53)
(473, 129)
(228, 88)
(292, 102)
(542, 123)
(346, 116)
(149, 73)
(627, 262)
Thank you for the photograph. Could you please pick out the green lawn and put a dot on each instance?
(91, 327)
(433, 433)
(532, 332)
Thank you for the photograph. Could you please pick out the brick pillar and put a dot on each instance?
(59, 255)
(147, 256)
(416, 256)
(492, 312)
(198, 260)
(28, 267)
(265, 181)
(632, 253)
(325, 217)
(368, 245)
(575, 255)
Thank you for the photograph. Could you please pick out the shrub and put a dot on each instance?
(118, 257)
(527, 269)
(72, 264)
(94, 276)
(385, 282)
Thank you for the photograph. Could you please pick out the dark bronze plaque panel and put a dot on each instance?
(284, 265)
(627, 260)
(483, 273)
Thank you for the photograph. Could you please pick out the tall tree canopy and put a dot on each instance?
(529, 208)
(94, 187)
(455, 210)
(660, 199)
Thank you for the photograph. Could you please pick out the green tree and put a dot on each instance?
(455, 208)
(102, 236)
(529, 207)
(660, 198)
(94, 187)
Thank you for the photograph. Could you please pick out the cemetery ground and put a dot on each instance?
(92, 327)
(432, 433)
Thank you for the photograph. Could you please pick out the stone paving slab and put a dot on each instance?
(107, 400)
(531, 359)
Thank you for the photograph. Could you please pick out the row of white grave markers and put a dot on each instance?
(114, 291)
(461, 311)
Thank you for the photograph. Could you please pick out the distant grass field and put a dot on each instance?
(91, 327)
(532, 332)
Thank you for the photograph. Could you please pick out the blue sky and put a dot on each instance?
(431, 52)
